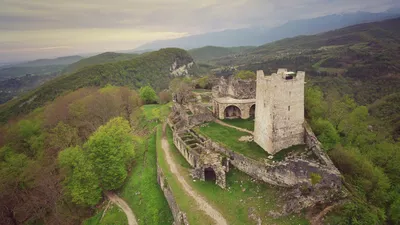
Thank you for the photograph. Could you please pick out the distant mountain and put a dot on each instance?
(153, 68)
(66, 60)
(259, 36)
(38, 67)
(105, 57)
(207, 53)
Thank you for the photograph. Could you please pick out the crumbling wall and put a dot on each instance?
(235, 88)
(308, 182)
(190, 155)
(179, 216)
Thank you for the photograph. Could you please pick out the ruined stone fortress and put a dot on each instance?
(280, 110)
(276, 103)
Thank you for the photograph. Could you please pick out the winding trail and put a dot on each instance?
(125, 207)
(201, 203)
(231, 126)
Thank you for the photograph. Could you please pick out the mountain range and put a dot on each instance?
(255, 36)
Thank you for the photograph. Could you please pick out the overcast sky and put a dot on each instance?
(32, 29)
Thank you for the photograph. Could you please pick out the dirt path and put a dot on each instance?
(201, 203)
(125, 207)
(231, 126)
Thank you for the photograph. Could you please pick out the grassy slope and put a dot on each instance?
(141, 191)
(150, 68)
(229, 137)
(242, 195)
(102, 58)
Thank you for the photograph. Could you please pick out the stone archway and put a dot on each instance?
(252, 111)
(232, 112)
(209, 174)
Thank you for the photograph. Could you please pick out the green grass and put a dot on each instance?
(156, 111)
(228, 137)
(242, 194)
(186, 203)
(247, 124)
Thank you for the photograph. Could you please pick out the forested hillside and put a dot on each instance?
(56, 162)
(105, 57)
(352, 104)
(208, 53)
(362, 61)
(152, 68)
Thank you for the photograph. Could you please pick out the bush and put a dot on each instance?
(326, 133)
(148, 95)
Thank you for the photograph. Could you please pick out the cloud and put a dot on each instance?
(123, 24)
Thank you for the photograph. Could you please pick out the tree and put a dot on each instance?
(81, 181)
(245, 75)
(148, 95)
(315, 105)
(394, 211)
(339, 109)
(326, 133)
(63, 136)
(164, 97)
(110, 149)
(355, 127)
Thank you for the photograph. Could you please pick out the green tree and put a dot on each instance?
(355, 127)
(148, 95)
(339, 109)
(315, 106)
(63, 136)
(110, 149)
(326, 133)
(81, 182)
(394, 211)
(245, 75)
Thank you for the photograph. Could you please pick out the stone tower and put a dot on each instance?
(279, 110)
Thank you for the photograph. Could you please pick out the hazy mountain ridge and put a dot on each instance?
(260, 36)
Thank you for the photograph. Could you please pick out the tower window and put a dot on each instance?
(288, 108)
(290, 93)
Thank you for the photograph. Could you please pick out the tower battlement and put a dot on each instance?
(279, 110)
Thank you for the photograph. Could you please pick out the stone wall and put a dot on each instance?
(179, 216)
(191, 156)
(296, 175)
(235, 88)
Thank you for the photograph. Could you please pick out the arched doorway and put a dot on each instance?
(232, 112)
(252, 112)
(209, 174)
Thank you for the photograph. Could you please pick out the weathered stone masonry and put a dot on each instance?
(279, 110)
(179, 216)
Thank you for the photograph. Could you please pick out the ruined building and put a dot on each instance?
(234, 98)
(279, 121)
